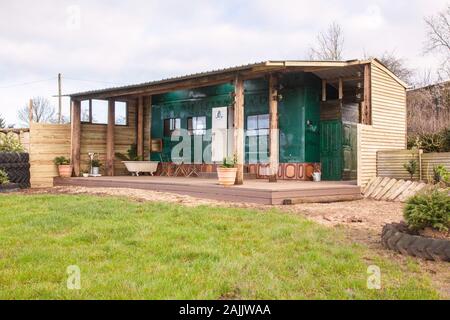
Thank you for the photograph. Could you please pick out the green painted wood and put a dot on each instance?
(331, 150)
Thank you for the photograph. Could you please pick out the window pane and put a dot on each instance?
(85, 111)
(252, 122)
(263, 121)
(100, 111)
(121, 113)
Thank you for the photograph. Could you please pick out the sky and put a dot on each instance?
(98, 44)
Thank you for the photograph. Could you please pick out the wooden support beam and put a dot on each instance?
(273, 128)
(30, 111)
(341, 89)
(75, 138)
(239, 128)
(366, 105)
(140, 127)
(110, 139)
(324, 90)
(149, 132)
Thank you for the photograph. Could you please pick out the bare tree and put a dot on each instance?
(397, 65)
(330, 44)
(43, 111)
(438, 41)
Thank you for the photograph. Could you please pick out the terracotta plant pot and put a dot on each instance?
(227, 176)
(65, 170)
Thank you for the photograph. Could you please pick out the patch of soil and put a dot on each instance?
(435, 234)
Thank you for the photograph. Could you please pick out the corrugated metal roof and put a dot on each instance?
(272, 63)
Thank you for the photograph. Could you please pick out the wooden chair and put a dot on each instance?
(166, 166)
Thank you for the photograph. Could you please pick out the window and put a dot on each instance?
(197, 126)
(258, 125)
(120, 113)
(86, 111)
(171, 125)
(257, 138)
(96, 111)
(99, 111)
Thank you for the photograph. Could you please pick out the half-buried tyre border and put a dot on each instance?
(395, 236)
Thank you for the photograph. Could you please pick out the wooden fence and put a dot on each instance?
(47, 141)
(390, 163)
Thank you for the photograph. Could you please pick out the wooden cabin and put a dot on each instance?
(283, 119)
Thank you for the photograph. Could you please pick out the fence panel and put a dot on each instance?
(47, 141)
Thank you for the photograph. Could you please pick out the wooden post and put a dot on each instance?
(273, 131)
(324, 90)
(366, 110)
(59, 99)
(30, 111)
(75, 141)
(140, 127)
(149, 132)
(341, 89)
(239, 128)
(110, 138)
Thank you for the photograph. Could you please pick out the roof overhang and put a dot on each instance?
(323, 69)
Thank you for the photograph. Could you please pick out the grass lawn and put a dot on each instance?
(132, 250)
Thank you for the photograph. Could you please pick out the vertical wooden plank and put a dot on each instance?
(239, 128)
(110, 139)
(75, 140)
(140, 127)
(341, 89)
(273, 128)
(30, 111)
(324, 90)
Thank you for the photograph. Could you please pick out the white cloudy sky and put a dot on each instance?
(121, 42)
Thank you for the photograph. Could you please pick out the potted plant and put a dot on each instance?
(317, 175)
(226, 172)
(64, 166)
(96, 164)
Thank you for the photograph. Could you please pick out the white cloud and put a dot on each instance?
(134, 41)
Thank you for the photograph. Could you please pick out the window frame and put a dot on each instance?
(194, 131)
(127, 122)
(171, 131)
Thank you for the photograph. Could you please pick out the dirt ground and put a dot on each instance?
(361, 220)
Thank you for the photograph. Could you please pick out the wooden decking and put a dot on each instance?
(253, 191)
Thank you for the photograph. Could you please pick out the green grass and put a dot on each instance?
(131, 250)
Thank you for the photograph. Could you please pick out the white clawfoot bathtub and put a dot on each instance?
(137, 167)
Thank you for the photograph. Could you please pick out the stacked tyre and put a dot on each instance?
(17, 166)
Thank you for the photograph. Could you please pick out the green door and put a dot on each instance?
(331, 149)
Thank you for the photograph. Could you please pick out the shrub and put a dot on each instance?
(61, 161)
(3, 177)
(229, 163)
(431, 142)
(430, 209)
(441, 174)
(411, 166)
(10, 143)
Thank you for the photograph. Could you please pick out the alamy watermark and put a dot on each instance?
(74, 277)
(374, 278)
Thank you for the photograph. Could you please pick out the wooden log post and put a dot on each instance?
(140, 127)
(75, 139)
(341, 89)
(110, 138)
(239, 128)
(273, 128)
(324, 90)
(149, 121)
(366, 106)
